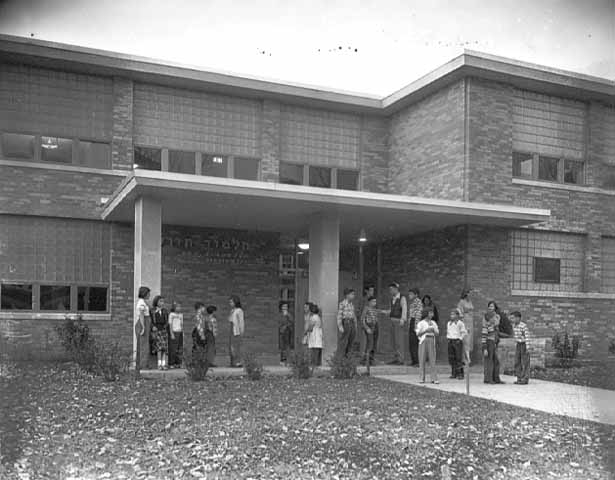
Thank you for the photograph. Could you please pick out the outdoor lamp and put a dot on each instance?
(362, 236)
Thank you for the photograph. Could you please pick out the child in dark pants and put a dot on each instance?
(369, 321)
(522, 355)
(455, 332)
(488, 338)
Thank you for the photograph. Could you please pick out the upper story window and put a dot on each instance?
(196, 163)
(547, 168)
(56, 150)
(316, 176)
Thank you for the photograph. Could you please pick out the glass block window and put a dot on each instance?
(148, 158)
(15, 296)
(549, 261)
(214, 166)
(55, 298)
(245, 168)
(181, 162)
(320, 177)
(291, 174)
(608, 264)
(16, 145)
(94, 154)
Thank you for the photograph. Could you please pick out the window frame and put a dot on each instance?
(536, 279)
(19, 282)
(74, 288)
(334, 173)
(561, 163)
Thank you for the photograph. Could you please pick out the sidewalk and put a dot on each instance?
(575, 401)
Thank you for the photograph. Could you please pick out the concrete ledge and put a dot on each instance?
(546, 294)
(562, 186)
(63, 168)
(52, 316)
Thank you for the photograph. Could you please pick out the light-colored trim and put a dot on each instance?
(562, 186)
(579, 295)
(63, 168)
(31, 315)
(229, 186)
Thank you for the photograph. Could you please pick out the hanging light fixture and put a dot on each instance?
(362, 236)
(303, 246)
(49, 143)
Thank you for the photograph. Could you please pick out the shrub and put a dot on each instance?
(344, 366)
(566, 348)
(197, 365)
(111, 360)
(301, 364)
(76, 339)
(252, 367)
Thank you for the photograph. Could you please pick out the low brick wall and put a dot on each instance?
(506, 353)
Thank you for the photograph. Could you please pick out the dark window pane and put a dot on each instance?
(347, 179)
(546, 270)
(522, 164)
(56, 150)
(55, 298)
(181, 162)
(94, 154)
(15, 145)
(15, 297)
(320, 177)
(573, 172)
(291, 174)
(92, 299)
(547, 168)
(245, 168)
(148, 158)
(214, 166)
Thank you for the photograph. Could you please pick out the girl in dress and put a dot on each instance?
(236, 319)
(315, 335)
(467, 311)
(160, 329)
(176, 336)
(142, 327)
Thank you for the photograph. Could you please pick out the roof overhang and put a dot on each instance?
(238, 204)
(521, 74)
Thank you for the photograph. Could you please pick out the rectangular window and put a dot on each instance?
(181, 162)
(547, 168)
(14, 296)
(320, 177)
(547, 261)
(347, 179)
(573, 172)
(245, 168)
(56, 150)
(16, 145)
(522, 164)
(94, 154)
(214, 166)
(92, 299)
(148, 158)
(55, 298)
(546, 270)
(291, 173)
(608, 264)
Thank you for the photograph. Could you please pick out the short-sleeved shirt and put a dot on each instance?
(142, 308)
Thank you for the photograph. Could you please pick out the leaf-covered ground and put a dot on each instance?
(58, 423)
(599, 375)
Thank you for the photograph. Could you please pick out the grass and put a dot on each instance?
(59, 423)
(594, 374)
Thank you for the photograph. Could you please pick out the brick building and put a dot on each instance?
(117, 171)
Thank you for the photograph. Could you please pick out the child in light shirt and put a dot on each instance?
(455, 333)
(426, 331)
(522, 355)
(176, 336)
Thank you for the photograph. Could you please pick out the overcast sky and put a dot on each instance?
(372, 46)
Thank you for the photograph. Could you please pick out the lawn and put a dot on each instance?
(596, 374)
(56, 422)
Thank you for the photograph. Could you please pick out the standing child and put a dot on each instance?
(176, 336)
(488, 337)
(314, 333)
(211, 323)
(369, 322)
(522, 356)
(286, 333)
(426, 331)
(160, 331)
(455, 333)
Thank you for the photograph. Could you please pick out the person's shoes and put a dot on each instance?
(159, 367)
(498, 382)
(435, 382)
(453, 376)
(415, 365)
(488, 382)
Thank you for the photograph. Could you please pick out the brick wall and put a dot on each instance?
(122, 131)
(426, 146)
(270, 141)
(600, 170)
(374, 154)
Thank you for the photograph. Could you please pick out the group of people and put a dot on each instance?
(160, 331)
(415, 325)
(312, 333)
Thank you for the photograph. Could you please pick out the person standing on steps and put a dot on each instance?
(415, 309)
(237, 329)
(467, 315)
(347, 323)
(398, 314)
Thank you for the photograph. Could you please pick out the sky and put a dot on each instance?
(370, 46)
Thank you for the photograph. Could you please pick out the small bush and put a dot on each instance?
(76, 339)
(301, 364)
(197, 365)
(252, 367)
(344, 366)
(566, 348)
(111, 360)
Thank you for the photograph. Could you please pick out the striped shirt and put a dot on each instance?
(415, 309)
(521, 333)
(488, 331)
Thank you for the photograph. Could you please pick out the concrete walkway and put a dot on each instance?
(595, 404)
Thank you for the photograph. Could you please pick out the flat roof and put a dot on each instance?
(521, 74)
(202, 201)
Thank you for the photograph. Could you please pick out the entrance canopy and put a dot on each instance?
(248, 205)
